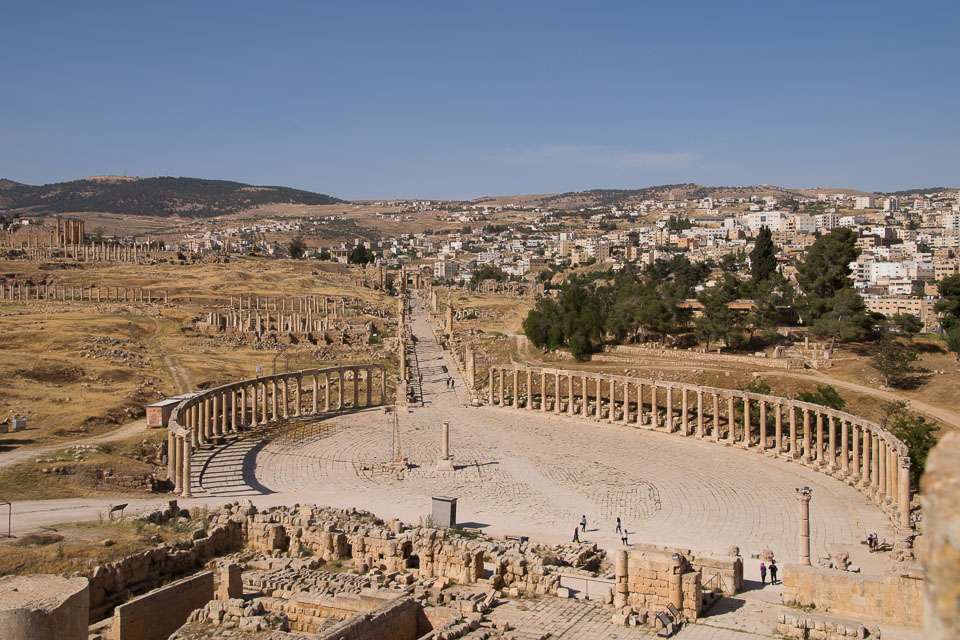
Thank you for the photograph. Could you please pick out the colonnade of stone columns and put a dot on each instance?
(835, 442)
(207, 417)
(22, 292)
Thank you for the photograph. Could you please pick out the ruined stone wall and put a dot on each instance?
(158, 614)
(729, 570)
(391, 621)
(804, 626)
(113, 582)
(43, 607)
(894, 598)
(940, 544)
(656, 577)
(720, 358)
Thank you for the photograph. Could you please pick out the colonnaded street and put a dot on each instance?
(525, 473)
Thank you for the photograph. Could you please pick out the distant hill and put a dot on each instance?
(918, 192)
(188, 197)
(610, 197)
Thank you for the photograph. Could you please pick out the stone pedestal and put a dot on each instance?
(42, 607)
(444, 512)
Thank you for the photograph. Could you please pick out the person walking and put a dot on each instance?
(623, 538)
(576, 534)
(763, 573)
(618, 529)
(583, 522)
(773, 572)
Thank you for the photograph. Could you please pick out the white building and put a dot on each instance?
(864, 202)
(891, 204)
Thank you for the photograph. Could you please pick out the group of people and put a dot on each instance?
(583, 527)
(873, 542)
(451, 383)
(773, 572)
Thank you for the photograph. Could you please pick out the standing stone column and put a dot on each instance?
(763, 425)
(171, 458)
(446, 461)
(516, 388)
(570, 394)
(501, 377)
(731, 421)
(875, 463)
(315, 405)
(274, 400)
(326, 390)
(832, 443)
(626, 402)
(187, 452)
(845, 447)
(225, 413)
(543, 391)
(640, 415)
(529, 406)
(556, 392)
(865, 462)
(820, 447)
(778, 428)
(904, 487)
(284, 400)
(881, 470)
(611, 414)
(699, 414)
(471, 369)
(806, 436)
(654, 410)
(356, 388)
(793, 432)
(804, 497)
(368, 380)
(669, 420)
(586, 395)
(855, 441)
(684, 419)
(177, 464)
(746, 422)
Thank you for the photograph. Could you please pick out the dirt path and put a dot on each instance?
(178, 374)
(20, 454)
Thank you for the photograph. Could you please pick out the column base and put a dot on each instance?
(445, 465)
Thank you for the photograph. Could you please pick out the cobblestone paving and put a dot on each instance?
(575, 620)
(529, 473)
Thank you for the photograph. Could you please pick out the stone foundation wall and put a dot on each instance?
(655, 577)
(43, 607)
(894, 598)
(794, 624)
(728, 568)
(391, 621)
(114, 582)
(159, 613)
(940, 550)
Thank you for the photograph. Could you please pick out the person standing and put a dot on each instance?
(763, 574)
(623, 538)
(576, 534)
(773, 572)
(583, 522)
(618, 529)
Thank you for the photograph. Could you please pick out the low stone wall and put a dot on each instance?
(114, 582)
(158, 614)
(795, 624)
(728, 568)
(698, 356)
(391, 621)
(650, 577)
(894, 598)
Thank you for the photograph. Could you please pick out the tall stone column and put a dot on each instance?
(669, 420)
(446, 461)
(274, 400)
(865, 462)
(715, 436)
(778, 428)
(845, 447)
(369, 386)
(804, 497)
(284, 399)
(820, 443)
(699, 414)
(731, 421)
(793, 431)
(556, 392)
(501, 377)
(340, 402)
(171, 457)
(684, 408)
(611, 414)
(875, 463)
(529, 406)
(543, 391)
(177, 464)
(326, 390)
(586, 395)
(654, 410)
(516, 388)
(855, 438)
(570, 409)
(904, 487)
(640, 412)
(490, 396)
(315, 405)
(225, 410)
(187, 452)
(471, 369)
(746, 422)
(383, 386)
(881, 458)
(832, 443)
(626, 402)
(763, 425)
(806, 436)
(356, 388)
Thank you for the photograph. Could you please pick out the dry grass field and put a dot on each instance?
(82, 369)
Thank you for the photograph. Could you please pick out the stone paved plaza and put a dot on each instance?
(524, 473)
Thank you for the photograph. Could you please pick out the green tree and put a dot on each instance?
(949, 305)
(914, 431)
(297, 247)
(324, 255)
(826, 270)
(824, 396)
(845, 319)
(763, 258)
(953, 341)
(893, 361)
(360, 255)
(906, 324)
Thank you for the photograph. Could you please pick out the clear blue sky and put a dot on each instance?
(463, 99)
